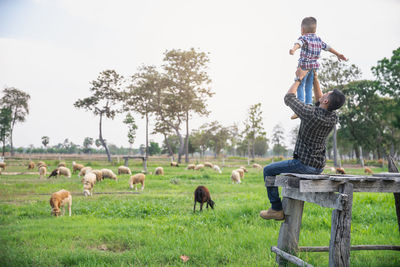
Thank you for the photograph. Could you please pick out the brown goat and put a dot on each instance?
(340, 171)
(31, 165)
(202, 195)
(368, 170)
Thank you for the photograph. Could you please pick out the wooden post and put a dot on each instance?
(126, 161)
(339, 245)
(290, 229)
(145, 164)
(392, 168)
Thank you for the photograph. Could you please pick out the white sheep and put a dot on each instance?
(99, 174)
(159, 171)
(62, 164)
(64, 171)
(190, 167)
(244, 169)
(88, 183)
(124, 170)
(235, 177)
(107, 173)
(135, 179)
(208, 164)
(76, 167)
(241, 172)
(217, 169)
(84, 170)
(199, 167)
(257, 166)
(42, 171)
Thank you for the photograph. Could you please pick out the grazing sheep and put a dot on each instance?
(3, 165)
(174, 164)
(62, 164)
(208, 164)
(84, 170)
(107, 173)
(235, 177)
(199, 167)
(99, 174)
(55, 172)
(124, 170)
(340, 171)
(42, 172)
(244, 169)
(159, 171)
(190, 167)
(217, 169)
(333, 169)
(64, 171)
(202, 195)
(59, 199)
(41, 163)
(241, 172)
(368, 170)
(31, 165)
(76, 167)
(135, 179)
(88, 183)
(257, 166)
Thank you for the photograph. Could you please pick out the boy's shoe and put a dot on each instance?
(272, 214)
(294, 116)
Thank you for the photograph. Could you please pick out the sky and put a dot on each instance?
(52, 49)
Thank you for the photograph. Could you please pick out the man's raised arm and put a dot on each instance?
(317, 88)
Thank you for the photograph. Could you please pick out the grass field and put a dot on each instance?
(155, 227)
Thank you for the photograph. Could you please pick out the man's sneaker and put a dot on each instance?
(272, 214)
(294, 116)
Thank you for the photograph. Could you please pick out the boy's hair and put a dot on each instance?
(309, 25)
(336, 100)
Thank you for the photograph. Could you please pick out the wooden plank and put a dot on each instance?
(289, 257)
(328, 200)
(287, 181)
(290, 229)
(357, 247)
(378, 186)
(306, 176)
(270, 180)
(386, 174)
(393, 169)
(339, 245)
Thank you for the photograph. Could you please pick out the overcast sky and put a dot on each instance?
(52, 50)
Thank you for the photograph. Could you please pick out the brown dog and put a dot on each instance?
(59, 199)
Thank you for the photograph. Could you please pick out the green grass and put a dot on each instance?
(156, 226)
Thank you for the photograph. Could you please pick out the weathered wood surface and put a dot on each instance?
(289, 257)
(357, 247)
(339, 245)
(365, 186)
(393, 169)
(387, 174)
(290, 229)
(287, 181)
(328, 200)
(306, 176)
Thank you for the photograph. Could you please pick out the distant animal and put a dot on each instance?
(235, 177)
(333, 169)
(84, 170)
(244, 169)
(76, 167)
(190, 167)
(199, 167)
(241, 172)
(88, 183)
(62, 164)
(53, 173)
(41, 163)
(217, 169)
(60, 171)
(3, 165)
(202, 195)
(174, 164)
(368, 170)
(340, 171)
(42, 172)
(159, 171)
(124, 170)
(136, 179)
(107, 173)
(99, 175)
(208, 164)
(59, 199)
(257, 166)
(31, 165)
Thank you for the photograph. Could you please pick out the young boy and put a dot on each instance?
(311, 46)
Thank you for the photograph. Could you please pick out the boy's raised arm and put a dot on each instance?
(336, 53)
(295, 47)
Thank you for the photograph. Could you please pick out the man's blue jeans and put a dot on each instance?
(291, 166)
(304, 91)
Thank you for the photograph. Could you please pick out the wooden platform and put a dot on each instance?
(331, 191)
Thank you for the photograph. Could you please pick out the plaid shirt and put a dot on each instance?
(311, 46)
(316, 124)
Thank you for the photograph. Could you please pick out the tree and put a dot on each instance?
(387, 71)
(106, 92)
(154, 148)
(215, 136)
(234, 138)
(170, 145)
(17, 101)
(253, 126)
(261, 146)
(293, 134)
(5, 125)
(188, 83)
(200, 140)
(335, 74)
(132, 127)
(45, 141)
(277, 135)
(87, 143)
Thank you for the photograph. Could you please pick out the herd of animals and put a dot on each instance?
(90, 176)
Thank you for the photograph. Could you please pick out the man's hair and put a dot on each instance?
(309, 25)
(336, 100)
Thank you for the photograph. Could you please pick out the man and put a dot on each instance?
(309, 153)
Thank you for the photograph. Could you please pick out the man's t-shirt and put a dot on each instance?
(316, 124)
